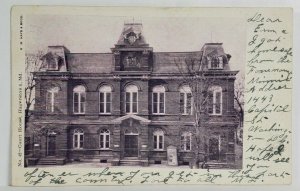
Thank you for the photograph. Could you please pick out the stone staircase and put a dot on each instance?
(133, 161)
(130, 161)
(51, 161)
(96, 158)
(217, 165)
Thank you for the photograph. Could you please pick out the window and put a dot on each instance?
(215, 62)
(186, 100)
(52, 60)
(215, 100)
(105, 99)
(79, 100)
(104, 139)
(50, 99)
(158, 140)
(78, 139)
(158, 100)
(131, 99)
(186, 141)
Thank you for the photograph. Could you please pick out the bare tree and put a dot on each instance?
(32, 64)
(239, 96)
(239, 100)
(193, 74)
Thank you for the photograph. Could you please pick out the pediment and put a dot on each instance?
(131, 116)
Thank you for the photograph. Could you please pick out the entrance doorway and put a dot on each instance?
(51, 145)
(214, 151)
(131, 146)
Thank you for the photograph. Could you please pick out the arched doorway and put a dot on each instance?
(51, 144)
(214, 148)
(131, 143)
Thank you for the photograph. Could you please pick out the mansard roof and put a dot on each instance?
(131, 40)
(90, 62)
(163, 62)
(169, 62)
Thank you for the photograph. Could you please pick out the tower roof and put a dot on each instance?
(132, 35)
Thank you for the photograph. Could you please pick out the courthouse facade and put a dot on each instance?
(128, 107)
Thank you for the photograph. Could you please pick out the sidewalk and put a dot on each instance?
(103, 165)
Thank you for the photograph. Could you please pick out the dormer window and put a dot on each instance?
(215, 62)
(52, 65)
(52, 61)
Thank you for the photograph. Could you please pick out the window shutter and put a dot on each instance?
(81, 141)
(134, 102)
(101, 98)
(155, 100)
(189, 103)
(127, 100)
(181, 103)
(160, 142)
(48, 101)
(155, 142)
(210, 102)
(75, 101)
(82, 102)
(161, 103)
(101, 141)
(107, 141)
(218, 103)
(108, 102)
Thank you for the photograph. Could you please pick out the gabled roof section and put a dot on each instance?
(212, 49)
(132, 29)
(131, 116)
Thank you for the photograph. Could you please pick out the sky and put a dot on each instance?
(97, 34)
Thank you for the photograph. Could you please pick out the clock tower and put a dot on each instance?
(132, 53)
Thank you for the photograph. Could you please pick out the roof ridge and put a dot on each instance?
(89, 53)
(179, 52)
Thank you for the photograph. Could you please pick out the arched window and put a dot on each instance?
(215, 100)
(78, 139)
(105, 99)
(79, 97)
(186, 100)
(158, 100)
(50, 99)
(186, 141)
(131, 99)
(158, 140)
(104, 139)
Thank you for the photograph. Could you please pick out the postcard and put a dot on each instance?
(137, 95)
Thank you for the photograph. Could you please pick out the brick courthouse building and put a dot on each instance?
(128, 107)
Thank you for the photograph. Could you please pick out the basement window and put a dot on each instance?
(157, 162)
(186, 163)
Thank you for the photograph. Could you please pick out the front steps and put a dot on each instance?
(133, 161)
(51, 161)
(217, 165)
